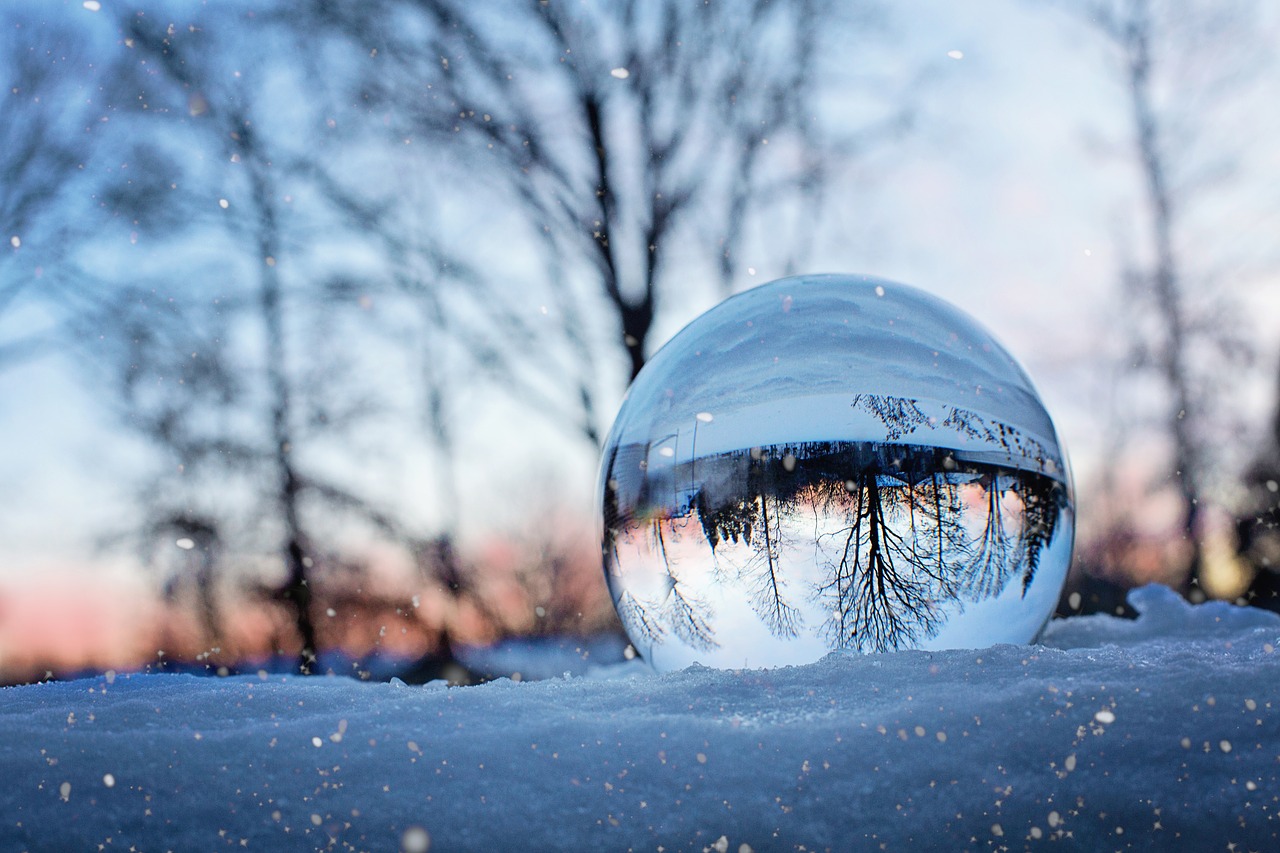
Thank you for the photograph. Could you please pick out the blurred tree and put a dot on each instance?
(58, 157)
(250, 372)
(1185, 66)
(1258, 519)
(230, 368)
(221, 416)
(629, 139)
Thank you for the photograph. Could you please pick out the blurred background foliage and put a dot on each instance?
(313, 315)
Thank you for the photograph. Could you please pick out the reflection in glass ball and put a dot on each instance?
(832, 462)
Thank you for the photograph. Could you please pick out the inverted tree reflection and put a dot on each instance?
(869, 545)
(885, 579)
(667, 604)
(757, 523)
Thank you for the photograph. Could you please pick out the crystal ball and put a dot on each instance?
(832, 462)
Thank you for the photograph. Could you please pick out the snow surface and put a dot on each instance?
(1162, 733)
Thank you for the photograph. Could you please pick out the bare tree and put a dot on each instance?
(56, 195)
(621, 135)
(225, 114)
(1181, 63)
(1258, 518)
(230, 368)
(76, 180)
(243, 372)
(881, 599)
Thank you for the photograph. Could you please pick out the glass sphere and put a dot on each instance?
(832, 462)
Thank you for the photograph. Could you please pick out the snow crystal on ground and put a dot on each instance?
(1162, 733)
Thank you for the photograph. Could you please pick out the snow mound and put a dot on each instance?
(1157, 734)
(1164, 617)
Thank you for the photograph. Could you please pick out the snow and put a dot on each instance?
(1160, 733)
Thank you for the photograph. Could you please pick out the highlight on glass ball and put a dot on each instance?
(830, 463)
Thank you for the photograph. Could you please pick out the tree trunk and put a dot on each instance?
(1166, 284)
(296, 588)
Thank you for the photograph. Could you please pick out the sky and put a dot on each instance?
(1013, 197)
